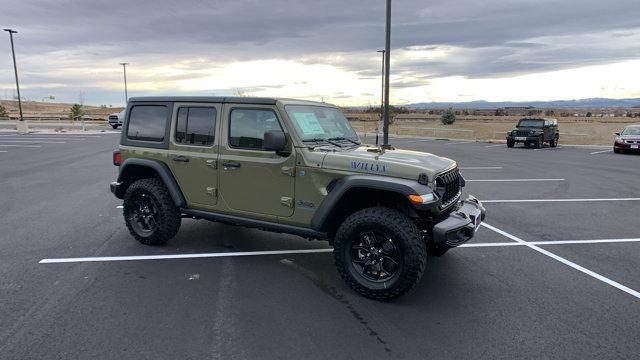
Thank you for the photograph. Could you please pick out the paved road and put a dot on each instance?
(11, 124)
(480, 301)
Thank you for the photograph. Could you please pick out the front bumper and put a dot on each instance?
(522, 139)
(460, 226)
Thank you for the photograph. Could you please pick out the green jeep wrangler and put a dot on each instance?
(294, 167)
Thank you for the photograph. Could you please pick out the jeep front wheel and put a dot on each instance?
(379, 253)
(511, 143)
(149, 212)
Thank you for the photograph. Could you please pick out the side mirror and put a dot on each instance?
(617, 134)
(274, 140)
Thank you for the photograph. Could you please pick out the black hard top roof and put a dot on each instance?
(223, 99)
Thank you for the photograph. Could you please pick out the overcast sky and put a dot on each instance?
(442, 50)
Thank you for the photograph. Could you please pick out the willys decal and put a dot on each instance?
(372, 167)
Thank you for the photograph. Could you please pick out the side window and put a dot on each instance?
(247, 127)
(195, 126)
(147, 122)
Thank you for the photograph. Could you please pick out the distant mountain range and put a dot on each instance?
(594, 103)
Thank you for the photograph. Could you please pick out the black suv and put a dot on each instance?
(534, 131)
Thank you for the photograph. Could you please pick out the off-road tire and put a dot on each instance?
(553, 142)
(168, 214)
(511, 143)
(538, 143)
(411, 247)
(114, 126)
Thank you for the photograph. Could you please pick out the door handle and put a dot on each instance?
(181, 158)
(229, 165)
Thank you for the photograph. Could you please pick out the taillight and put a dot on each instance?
(117, 158)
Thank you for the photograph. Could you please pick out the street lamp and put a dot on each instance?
(126, 96)
(381, 94)
(387, 56)
(15, 69)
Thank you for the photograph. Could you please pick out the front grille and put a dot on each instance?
(113, 117)
(632, 141)
(522, 132)
(448, 187)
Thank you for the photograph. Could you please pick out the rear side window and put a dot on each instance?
(147, 122)
(247, 127)
(196, 126)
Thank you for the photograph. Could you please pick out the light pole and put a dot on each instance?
(381, 94)
(15, 69)
(126, 95)
(387, 57)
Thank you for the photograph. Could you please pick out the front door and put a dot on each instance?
(252, 180)
(193, 152)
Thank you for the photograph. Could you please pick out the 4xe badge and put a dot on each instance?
(372, 167)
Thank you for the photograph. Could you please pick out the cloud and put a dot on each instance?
(79, 43)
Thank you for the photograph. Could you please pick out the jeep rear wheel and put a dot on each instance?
(149, 212)
(379, 253)
(553, 142)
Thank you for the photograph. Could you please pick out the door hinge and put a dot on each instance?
(286, 201)
(212, 163)
(212, 191)
(288, 170)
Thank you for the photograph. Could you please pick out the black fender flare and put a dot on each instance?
(404, 187)
(163, 172)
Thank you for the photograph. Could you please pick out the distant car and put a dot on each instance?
(116, 119)
(627, 140)
(534, 131)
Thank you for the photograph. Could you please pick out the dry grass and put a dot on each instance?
(573, 130)
(37, 108)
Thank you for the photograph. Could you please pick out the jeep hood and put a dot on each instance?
(405, 164)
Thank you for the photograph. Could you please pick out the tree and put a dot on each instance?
(448, 117)
(3, 112)
(76, 112)
(589, 114)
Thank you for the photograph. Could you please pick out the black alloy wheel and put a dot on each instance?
(375, 256)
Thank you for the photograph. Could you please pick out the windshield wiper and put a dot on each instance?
(317, 140)
(344, 138)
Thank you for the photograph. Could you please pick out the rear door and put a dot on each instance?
(252, 180)
(193, 152)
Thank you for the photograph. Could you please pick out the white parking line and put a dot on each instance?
(481, 168)
(558, 242)
(33, 141)
(512, 180)
(119, 207)
(2, 151)
(565, 261)
(32, 146)
(558, 200)
(600, 152)
(181, 256)
(38, 138)
(310, 251)
(460, 142)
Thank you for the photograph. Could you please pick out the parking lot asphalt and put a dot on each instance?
(554, 276)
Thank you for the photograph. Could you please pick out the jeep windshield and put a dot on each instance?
(531, 123)
(321, 124)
